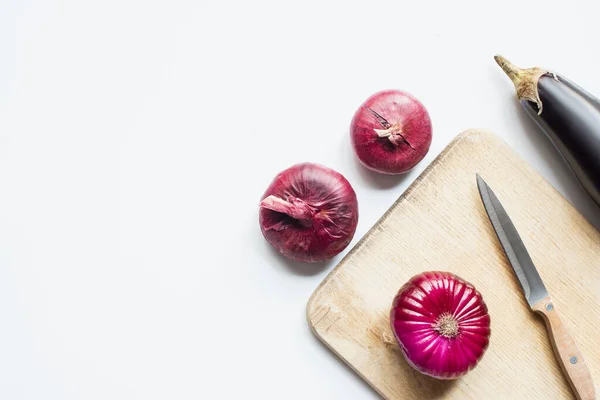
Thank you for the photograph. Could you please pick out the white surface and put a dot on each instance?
(136, 138)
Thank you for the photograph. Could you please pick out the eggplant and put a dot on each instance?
(567, 114)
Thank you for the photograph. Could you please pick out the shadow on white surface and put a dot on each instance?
(297, 267)
(568, 183)
(378, 180)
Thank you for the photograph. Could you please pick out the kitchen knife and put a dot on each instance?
(565, 348)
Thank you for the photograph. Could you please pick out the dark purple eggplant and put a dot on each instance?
(568, 115)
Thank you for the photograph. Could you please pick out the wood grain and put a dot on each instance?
(567, 353)
(439, 223)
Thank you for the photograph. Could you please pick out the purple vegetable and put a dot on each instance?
(567, 114)
(309, 213)
(441, 324)
(391, 132)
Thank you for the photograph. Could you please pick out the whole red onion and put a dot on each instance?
(391, 132)
(441, 323)
(309, 213)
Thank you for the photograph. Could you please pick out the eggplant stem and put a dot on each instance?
(510, 69)
(525, 80)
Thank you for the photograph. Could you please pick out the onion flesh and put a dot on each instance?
(441, 324)
(391, 132)
(309, 213)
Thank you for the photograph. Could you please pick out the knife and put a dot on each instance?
(565, 348)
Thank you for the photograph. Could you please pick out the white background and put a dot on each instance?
(136, 138)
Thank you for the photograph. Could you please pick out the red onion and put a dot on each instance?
(391, 132)
(441, 323)
(309, 213)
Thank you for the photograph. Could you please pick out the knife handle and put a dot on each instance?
(567, 352)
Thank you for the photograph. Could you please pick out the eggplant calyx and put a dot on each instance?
(524, 79)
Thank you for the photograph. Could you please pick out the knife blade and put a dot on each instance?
(563, 344)
(513, 246)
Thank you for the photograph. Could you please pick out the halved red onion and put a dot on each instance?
(391, 132)
(441, 324)
(309, 213)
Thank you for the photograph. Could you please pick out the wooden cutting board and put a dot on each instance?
(439, 223)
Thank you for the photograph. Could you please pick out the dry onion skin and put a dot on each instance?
(441, 323)
(309, 213)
